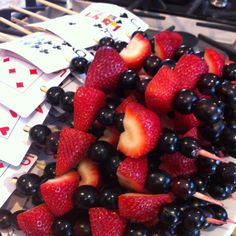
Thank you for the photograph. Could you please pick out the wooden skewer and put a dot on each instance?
(7, 37)
(29, 13)
(57, 7)
(18, 22)
(15, 26)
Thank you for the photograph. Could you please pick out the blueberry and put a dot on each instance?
(229, 72)
(39, 133)
(183, 49)
(119, 45)
(151, 64)
(107, 42)
(79, 64)
(106, 116)
(129, 79)
(54, 94)
(207, 84)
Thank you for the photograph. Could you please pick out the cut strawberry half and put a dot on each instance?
(136, 51)
(89, 173)
(72, 147)
(167, 43)
(132, 173)
(183, 123)
(36, 221)
(87, 103)
(106, 222)
(215, 61)
(142, 131)
(142, 207)
(121, 108)
(189, 69)
(161, 91)
(58, 193)
(105, 70)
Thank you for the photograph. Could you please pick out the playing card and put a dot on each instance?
(115, 20)
(6, 185)
(46, 51)
(73, 28)
(15, 142)
(22, 80)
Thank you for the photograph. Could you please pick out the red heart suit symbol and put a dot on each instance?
(13, 114)
(4, 130)
(1, 165)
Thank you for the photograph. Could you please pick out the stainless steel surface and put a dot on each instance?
(219, 3)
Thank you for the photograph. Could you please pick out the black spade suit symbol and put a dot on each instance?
(124, 15)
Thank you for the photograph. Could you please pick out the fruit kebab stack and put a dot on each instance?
(150, 130)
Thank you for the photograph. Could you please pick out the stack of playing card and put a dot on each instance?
(42, 59)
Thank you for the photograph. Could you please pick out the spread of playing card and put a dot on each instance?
(14, 141)
(46, 51)
(22, 80)
(115, 21)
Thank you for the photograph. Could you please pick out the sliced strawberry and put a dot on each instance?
(105, 70)
(142, 131)
(106, 222)
(58, 193)
(72, 147)
(89, 173)
(189, 69)
(136, 51)
(142, 207)
(183, 123)
(111, 135)
(193, 133)
(132, 173)
(161, 90)
(87, 103)
(36, 221)
(167, 43)
(121, 108)
(215, 61)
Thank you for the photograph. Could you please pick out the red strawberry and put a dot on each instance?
(105, 70)
(215, 61)
(36, 221)
(89, 173)
(121, 108)
(58, 193)
(142, 207)
(72, 147)
(136, 51)
(183, 123)
(179, 163)
(167, 43)
(161, 90)
(142, 130)
(111, 135)
(87, 103)
(193, 133)
(106, 222)
(132, 173)
(189, 69)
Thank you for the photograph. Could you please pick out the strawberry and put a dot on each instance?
(179, 163)
(89, 173)
(58, 193)
(106, 222)
(183, 123)
(142, 207)
(132, 173)
(111, 135)
(215, 61)
(121, 108)
(142, 130)
(136, 51)
(36, 221)
(161, 90)
(193, 133)
(167, 43)
(189, 69)
(72, 147)
(87, 103)
(105, 70)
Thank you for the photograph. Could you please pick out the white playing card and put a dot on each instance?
(22, 80)
(6, 185)
(46, 51)
(16, 144)
(73, 28)
(119, 22)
